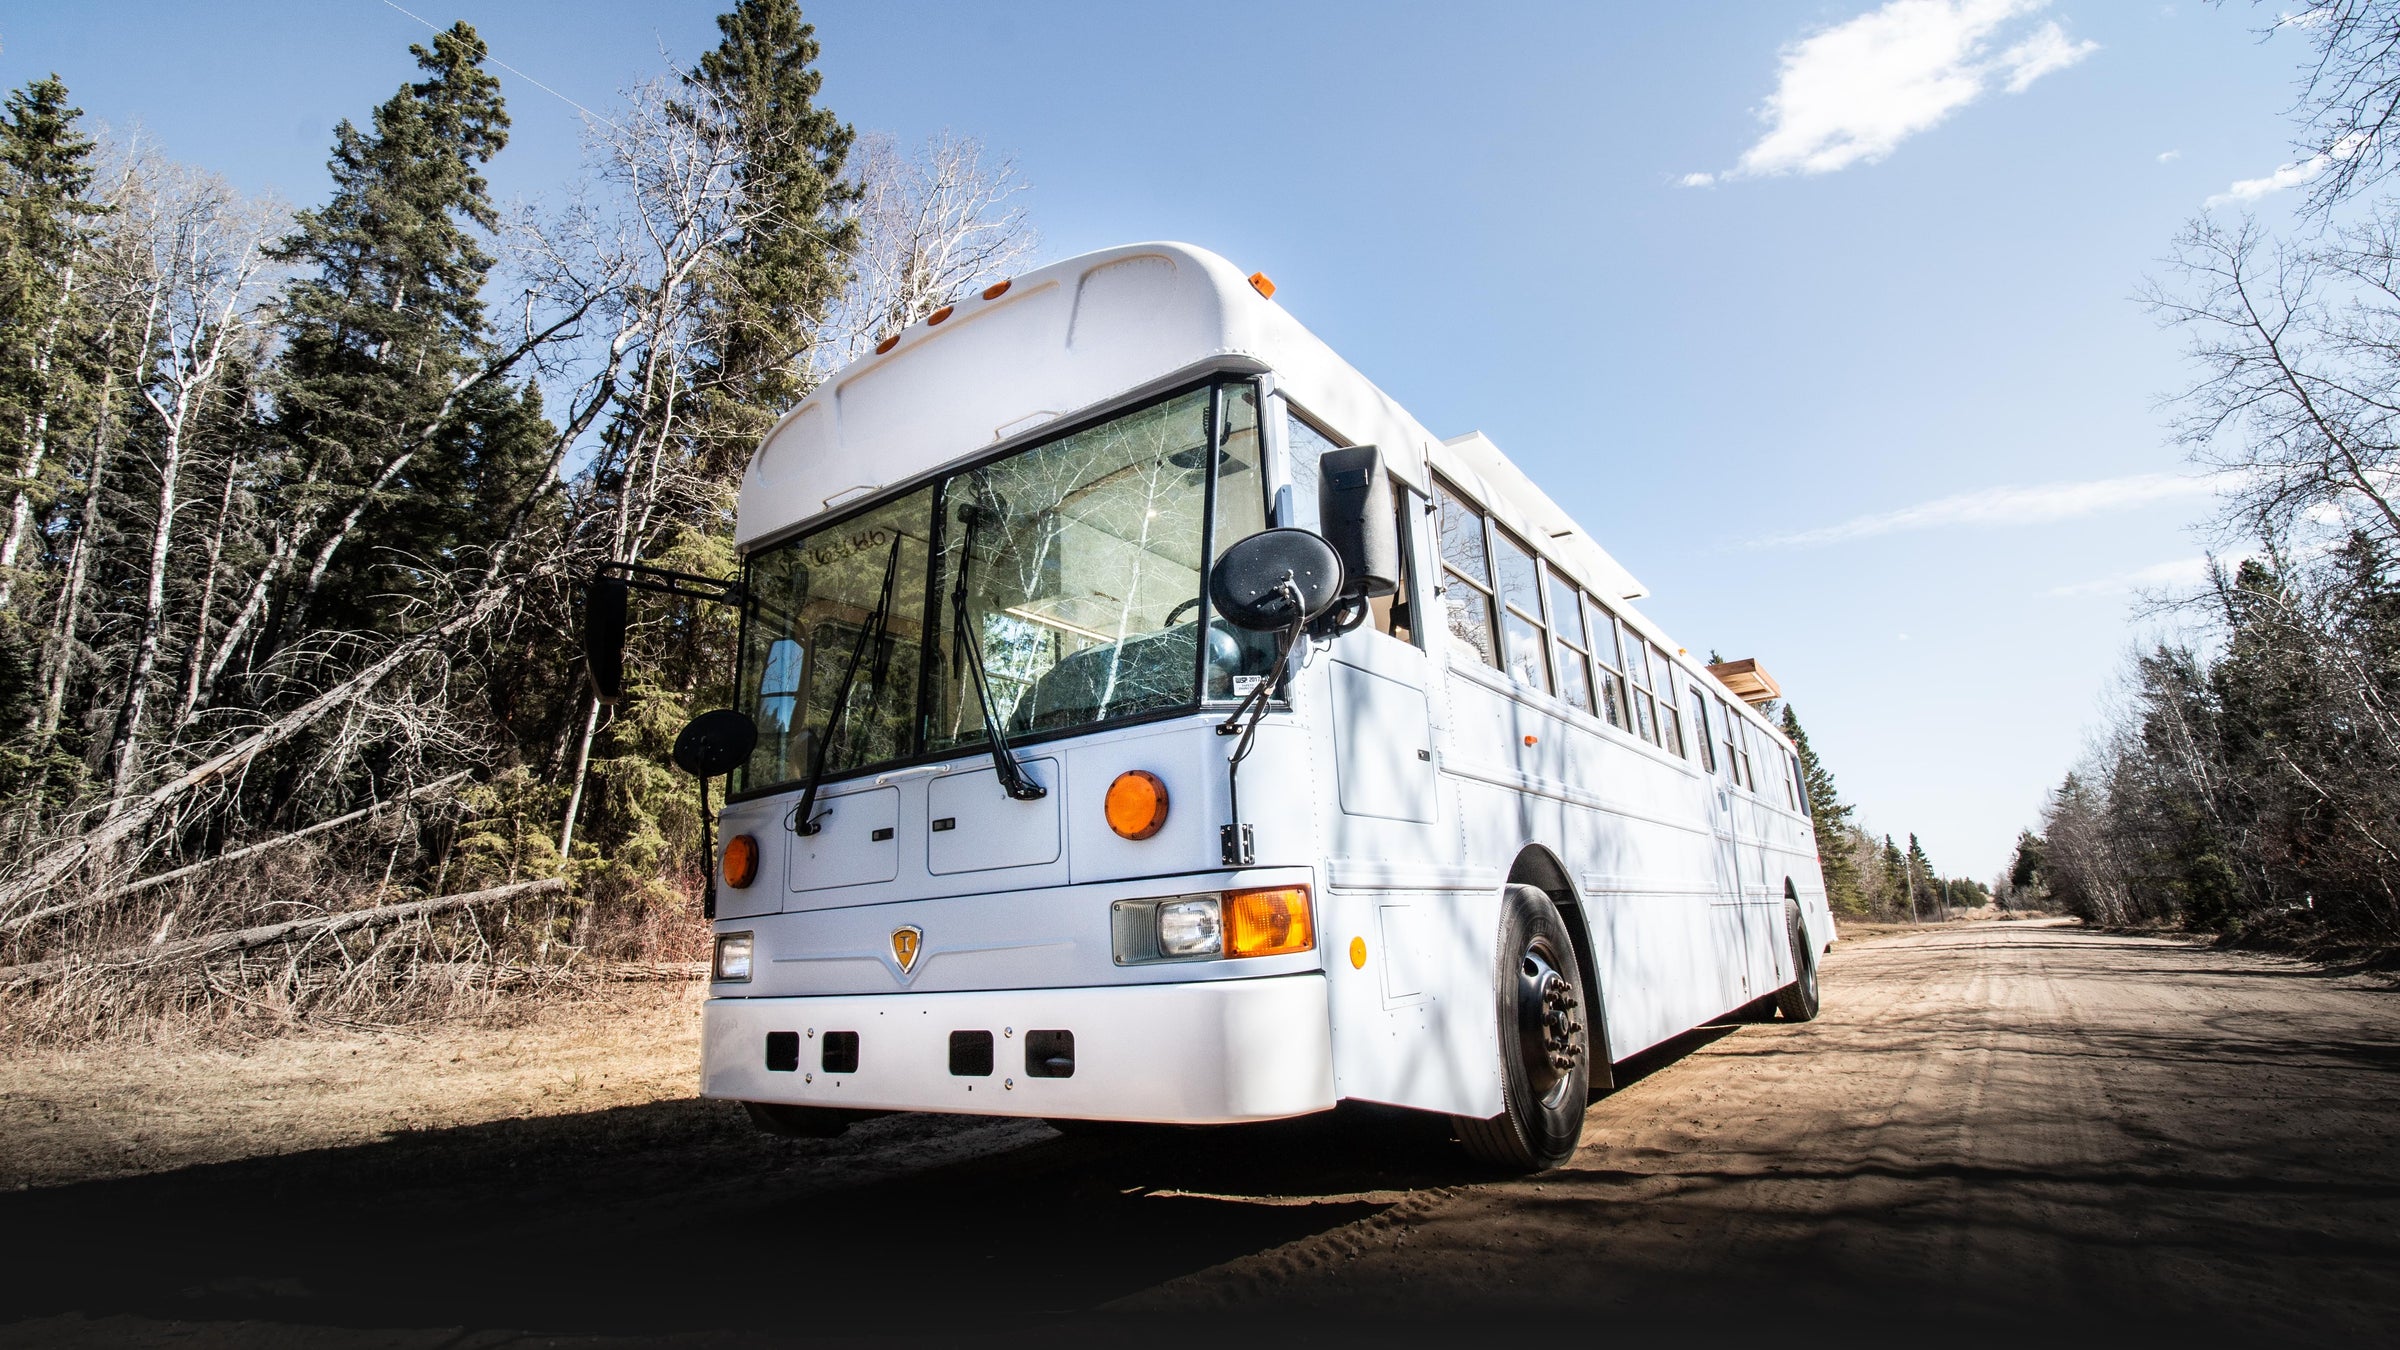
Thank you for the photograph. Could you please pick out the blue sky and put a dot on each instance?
(1875, 403)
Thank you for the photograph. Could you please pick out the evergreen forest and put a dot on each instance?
(300, 501)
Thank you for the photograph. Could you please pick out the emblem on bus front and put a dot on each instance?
(907, 941)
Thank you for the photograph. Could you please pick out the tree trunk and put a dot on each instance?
(125, 742)
(208, 600)
(37, 439)
(154, 956)
(583, 761)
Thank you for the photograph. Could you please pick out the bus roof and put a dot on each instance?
(1093, 329)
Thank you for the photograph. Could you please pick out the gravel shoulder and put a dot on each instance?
(1995, 1132)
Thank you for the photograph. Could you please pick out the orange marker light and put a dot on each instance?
(994, 292)
(887, 344)
(1268, 922)
(1260, 284)
(1137, 804)
(1358, 953)
(741, 861)
(938, 315)
(1533, 740)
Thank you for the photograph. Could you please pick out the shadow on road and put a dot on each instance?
(676, 1217)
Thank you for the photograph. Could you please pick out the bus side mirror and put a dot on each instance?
(604, 619)
(1276, 578)
(716, 743)
(1355, 511)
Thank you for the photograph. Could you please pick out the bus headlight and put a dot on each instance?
(1194, 927)
(733, 956)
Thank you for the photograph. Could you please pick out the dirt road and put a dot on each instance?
(1993, 1133)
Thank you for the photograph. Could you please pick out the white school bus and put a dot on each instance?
(1154, 722)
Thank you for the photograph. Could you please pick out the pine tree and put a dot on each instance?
(46, 223)
(779, 277)
(1921, 879)
(380, 331)
(1831, 818)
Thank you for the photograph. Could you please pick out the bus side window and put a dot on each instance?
(1466, 578)
(1637, 672)
(1574, 655)
(1607, 655)
(1525, 638)
(1306, 446)
(1702, 735)
(1800, 789)
(1670, 721)
(1731, 722)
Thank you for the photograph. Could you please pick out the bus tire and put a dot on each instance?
(1798, 1000)
(1545, 1041)
(801, 1122)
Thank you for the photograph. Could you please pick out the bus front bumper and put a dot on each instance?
(1190, 1054)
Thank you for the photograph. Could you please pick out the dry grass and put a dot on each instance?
(490, 965)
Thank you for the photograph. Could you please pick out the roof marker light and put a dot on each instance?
(1260, 284)
(997, 289)
(887, 344)
(938, 315)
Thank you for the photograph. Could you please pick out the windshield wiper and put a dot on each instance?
(875, 630)
(964, 648)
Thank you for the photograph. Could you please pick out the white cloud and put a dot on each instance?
(1852, 93)
(2169, 156)
(2039, 504)
(2045, 52)
(1696, 180)
(2287, 176)
(2290, 175)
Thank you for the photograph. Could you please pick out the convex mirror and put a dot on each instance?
(716, 743)
(1274, 577)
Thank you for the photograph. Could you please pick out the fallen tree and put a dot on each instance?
(234, 855)
(146, 958)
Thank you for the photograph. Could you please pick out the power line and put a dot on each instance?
(495, 60)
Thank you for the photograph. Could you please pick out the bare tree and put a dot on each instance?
(2299, 352)
(202, 285)
(934, 225)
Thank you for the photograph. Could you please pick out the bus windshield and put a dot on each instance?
(1079, 565)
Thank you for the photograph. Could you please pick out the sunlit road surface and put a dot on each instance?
(1995, 1135)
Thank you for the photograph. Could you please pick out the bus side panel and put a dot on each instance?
(1414, 1012)
(1668, 936)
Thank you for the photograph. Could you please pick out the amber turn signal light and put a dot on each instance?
(1137, 804)
(741, 861)
(1268, 922)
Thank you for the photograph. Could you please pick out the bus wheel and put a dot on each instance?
(1797, 1001)
(802, 1122)
(1545, 1047)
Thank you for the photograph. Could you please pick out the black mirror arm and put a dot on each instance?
(1235, 837)
(663, 581)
